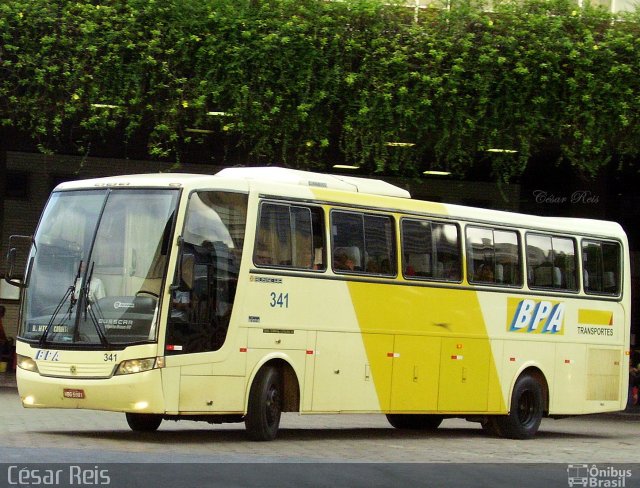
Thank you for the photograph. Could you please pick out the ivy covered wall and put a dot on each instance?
(310, 83)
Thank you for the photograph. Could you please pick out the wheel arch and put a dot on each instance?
(290, 382)
(535, 372)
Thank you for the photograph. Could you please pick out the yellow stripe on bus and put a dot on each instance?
(410, 346)
(594, 317)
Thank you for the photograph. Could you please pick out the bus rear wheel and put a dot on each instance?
(143, 422)
(414, 421)
(526, 410)
(265, 405)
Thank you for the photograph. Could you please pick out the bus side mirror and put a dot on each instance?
(10, 275)
(11, 265)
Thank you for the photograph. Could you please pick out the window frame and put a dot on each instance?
(433, 248)
(393, 258)
(493, 229)
(576, 261)
(620, 270)
(289, 205)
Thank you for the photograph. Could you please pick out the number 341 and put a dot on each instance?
(279, 300)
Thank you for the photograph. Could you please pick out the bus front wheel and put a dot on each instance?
(265, 405)
(414, 421)
(143, 422)
(526, 410)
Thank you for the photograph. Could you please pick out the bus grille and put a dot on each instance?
(603, 378)
(74, 370)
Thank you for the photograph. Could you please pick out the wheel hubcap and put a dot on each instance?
(272, 405)
(526, 408)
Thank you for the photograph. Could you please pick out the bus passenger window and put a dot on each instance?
(379, 253)
(601, 267)
(290, 236)
(363, 243)
(273, 240)
(417, 248)
(551, 262)
(430, 250)
(493, 256)
(447, 247)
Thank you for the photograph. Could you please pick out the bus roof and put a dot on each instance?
(569, 225)
(270, 179)
(308, 178)
(271, 174)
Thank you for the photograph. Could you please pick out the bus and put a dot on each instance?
(238, 296)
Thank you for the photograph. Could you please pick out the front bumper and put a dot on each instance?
(140, 392)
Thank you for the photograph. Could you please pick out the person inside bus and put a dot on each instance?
(342, 260)
(452, 271)
(485, 274)
(96, 287)
(373, 267)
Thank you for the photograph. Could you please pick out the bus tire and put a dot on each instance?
(415, 421)
(526, 410)
(143, 422)
(265, 405)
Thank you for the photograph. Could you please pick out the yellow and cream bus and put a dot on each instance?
(235, 297)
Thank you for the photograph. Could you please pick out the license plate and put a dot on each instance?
(71, 393)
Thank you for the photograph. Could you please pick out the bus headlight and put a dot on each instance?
(139, 365)
(26, 363)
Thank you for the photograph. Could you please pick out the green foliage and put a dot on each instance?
(308, 83)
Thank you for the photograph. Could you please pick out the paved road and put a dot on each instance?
(320, 438)
(67, 436)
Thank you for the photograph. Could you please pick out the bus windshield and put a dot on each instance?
(99, 260)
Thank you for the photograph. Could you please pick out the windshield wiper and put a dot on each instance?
(70, 293)
(88, 310)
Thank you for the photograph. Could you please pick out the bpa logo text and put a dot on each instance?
(42, 355)
(537, 317)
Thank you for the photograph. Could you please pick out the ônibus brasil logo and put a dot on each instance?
(595, 476)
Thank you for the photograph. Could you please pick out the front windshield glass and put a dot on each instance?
(100, 257)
